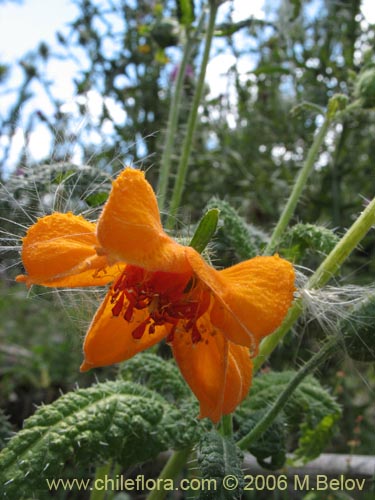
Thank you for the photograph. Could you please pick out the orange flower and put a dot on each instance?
(162, 290)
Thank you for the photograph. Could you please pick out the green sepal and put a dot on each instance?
(205, 230)
(218, 457)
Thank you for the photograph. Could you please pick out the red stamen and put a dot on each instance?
(117, 308)
(138, 332)
(195, 335)
(129, 312)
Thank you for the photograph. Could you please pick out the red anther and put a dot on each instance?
(195, 335)
(170, 335)
(117, 308)
(129, 312)
(138, 332)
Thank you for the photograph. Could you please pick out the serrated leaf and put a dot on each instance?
(303, 238)
(358, 330)
(245, 238)
(313, 440)
(5, 429)
(118, 420)
(270, 448)
(157, 374)
(309, 406)
(219, 457)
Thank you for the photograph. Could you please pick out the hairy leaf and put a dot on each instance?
(358, 331)
(270, 448)
(303, 238)
(219, 457)
(310, 409)
(157, 374)
(244, 238)
(313, 441)
(118, 420)
(5, 429)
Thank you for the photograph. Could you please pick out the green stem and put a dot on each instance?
(281, 401)
(322, 275)
(298, 186)
(171, 470)
(101, 473)
(186, 148)
(344, 247)
(226, 426)
(174, 109)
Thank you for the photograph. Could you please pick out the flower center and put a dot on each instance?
(171, 299)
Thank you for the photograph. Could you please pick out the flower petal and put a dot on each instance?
(129, 228)
(109, 338)
(217, 371)
(59, 250)
(252, 298)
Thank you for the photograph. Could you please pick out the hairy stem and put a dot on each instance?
(186, 148)
(226, 426)
(299, 185)
(281, 401)
(101, 473)
(322, 275)
(174, 109)
(170, 470)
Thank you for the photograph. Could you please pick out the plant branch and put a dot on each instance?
(327, 349)
(298, 186)
(171, 469)
(186, 148)
(174, 110)
(322, 275)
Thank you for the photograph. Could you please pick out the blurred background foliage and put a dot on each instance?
(249, 146)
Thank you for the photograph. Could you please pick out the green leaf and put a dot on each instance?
(301, 239)
(115, 420)
(270, 449)
(313, 440)
(97, 199)
(157, 374)
(310, 409)
(5, 429)
(219, 457)
(358, 330)
(185, 12)
(205, 230)
(296, 9)
(245, 238)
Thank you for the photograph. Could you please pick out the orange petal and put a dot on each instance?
(109, 338)
(217, 371)
(59, 250)
(129, 228)
(252, 298)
